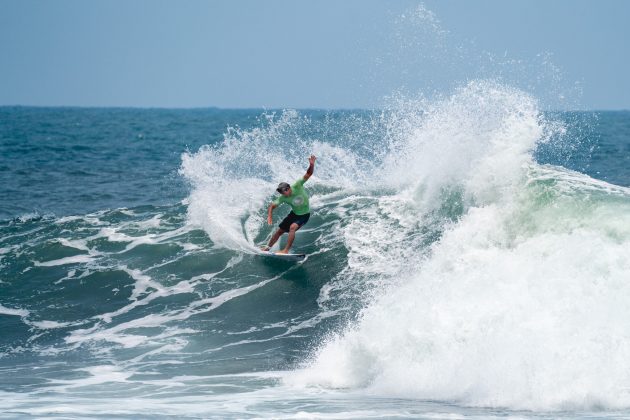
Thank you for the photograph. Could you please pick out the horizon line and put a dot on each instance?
(253, 108)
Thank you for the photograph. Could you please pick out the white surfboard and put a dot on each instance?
(285, 257)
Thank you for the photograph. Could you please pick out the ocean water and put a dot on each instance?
(468, 257)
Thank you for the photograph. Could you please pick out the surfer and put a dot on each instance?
(296, 196)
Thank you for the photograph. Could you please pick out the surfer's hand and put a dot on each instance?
(269, 221)
(311, 160)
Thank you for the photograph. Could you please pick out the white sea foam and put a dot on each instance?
(47, 325)
(117, 334)
(75, 259)
(79, 244)
(234, 182)
(23, 313)
(523, 302)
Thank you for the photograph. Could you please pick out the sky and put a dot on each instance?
(571, 54)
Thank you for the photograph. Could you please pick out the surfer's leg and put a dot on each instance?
(274, 239)
(294, 227)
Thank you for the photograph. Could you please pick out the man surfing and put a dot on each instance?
(296, 196)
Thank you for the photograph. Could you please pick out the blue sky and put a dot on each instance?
(309, 54)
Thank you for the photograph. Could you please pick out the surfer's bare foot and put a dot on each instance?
(264, 248)
(283, 251)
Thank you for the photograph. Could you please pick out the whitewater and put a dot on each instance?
(462, 263)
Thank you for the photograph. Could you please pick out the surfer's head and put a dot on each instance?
(284, 189)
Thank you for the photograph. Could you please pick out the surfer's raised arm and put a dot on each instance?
(311, 168)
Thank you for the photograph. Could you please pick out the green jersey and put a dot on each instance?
(298, 200)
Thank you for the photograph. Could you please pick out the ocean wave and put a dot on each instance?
(445, 263)
(521, 302)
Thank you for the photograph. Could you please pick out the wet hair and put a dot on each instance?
(282, 186)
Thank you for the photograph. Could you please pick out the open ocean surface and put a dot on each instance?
(469, 257)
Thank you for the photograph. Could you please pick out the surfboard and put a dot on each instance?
(285, 257)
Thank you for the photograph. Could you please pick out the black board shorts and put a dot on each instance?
(294, 218)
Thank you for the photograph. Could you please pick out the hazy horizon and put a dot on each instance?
(280, 54)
